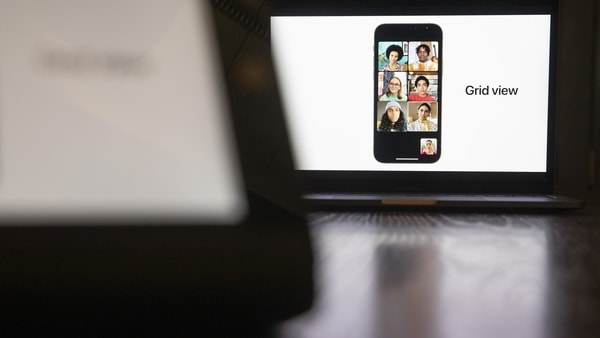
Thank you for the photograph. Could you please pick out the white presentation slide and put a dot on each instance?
(494, 91)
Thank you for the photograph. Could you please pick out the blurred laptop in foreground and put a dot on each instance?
(123, 201)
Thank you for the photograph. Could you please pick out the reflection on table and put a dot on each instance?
(453, 275)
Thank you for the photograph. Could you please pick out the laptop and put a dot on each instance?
(102, 122)
(421, 104)
(123, 197)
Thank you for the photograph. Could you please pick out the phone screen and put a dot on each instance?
(408, 93)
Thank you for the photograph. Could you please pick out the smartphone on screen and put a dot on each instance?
(408, 93)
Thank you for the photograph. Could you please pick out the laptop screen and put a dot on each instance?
(480, 101)
(114, 111)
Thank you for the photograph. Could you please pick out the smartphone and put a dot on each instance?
(407, 96)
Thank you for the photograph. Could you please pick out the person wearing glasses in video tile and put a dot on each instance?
(394, 91)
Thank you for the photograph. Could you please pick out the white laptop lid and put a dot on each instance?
(114, 110)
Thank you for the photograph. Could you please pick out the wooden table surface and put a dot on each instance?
(432, 274)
